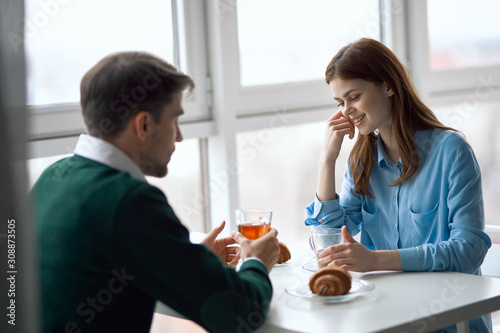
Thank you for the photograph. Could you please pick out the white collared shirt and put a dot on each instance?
(108, 154)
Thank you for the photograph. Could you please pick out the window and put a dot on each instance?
(279, 171)
(309, 34)
(183, 186)
(468, 37)
(277, 51)
(64, 40)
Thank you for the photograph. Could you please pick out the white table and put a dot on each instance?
(400, 302)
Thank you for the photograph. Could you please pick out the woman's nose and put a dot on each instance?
(347, 111)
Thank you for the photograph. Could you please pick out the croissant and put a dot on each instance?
(285, 254)
(330, 281)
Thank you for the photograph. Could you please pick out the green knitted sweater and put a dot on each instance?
(111, 245)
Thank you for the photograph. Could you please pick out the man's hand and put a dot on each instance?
(224, 248)
(266, 248)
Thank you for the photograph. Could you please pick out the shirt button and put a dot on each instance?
(394, 227)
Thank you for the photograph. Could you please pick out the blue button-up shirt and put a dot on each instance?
(435, 218)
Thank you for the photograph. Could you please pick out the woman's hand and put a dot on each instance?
(354, 256)
(223, 248)
(337, 127)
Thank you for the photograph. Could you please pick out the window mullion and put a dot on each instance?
(203, 148)
(175, 30)
(224, 69)
(418, 47)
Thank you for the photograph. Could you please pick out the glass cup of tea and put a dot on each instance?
(323, 237)
(253, 223)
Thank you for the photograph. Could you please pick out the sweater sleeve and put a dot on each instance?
(154, 246)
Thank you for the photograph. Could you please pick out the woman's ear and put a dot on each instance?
(388, 90)
(142, 125)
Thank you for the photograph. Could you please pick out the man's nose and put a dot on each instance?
(179, 137)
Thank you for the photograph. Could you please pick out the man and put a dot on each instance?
(110, 244)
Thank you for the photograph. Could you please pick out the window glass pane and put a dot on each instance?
(181, 186)
(463, 34)
(279, 171)
(480, 132)
(293, 40)
(64, 39)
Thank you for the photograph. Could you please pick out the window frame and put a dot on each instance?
(261, 99)
(439, 86)
(47, 122)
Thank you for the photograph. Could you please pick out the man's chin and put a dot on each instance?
(162, 173)
(157, 173)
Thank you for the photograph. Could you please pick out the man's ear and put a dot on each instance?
(142, 125)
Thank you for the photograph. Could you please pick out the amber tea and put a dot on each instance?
(253, 230)
(253, 223)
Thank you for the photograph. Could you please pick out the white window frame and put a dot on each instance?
(256, 100)
(54, 128)
(237, 108)
(442, 86)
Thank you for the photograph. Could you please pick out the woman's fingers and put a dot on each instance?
(336, 115)
(337, 127)
(341, 124)
(339, 121)
(333, 250)
(333, 253)
(353, 256)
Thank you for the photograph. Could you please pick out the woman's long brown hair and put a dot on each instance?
(372, 61)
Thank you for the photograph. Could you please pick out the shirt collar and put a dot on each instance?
(106, 153)
(421, 140)
(383, 158)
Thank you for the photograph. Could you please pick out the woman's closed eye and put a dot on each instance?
(355, 98)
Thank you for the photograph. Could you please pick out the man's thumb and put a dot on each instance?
(212, 235)
(347, 236)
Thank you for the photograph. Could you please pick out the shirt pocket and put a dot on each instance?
(371, 224)
(422, 225)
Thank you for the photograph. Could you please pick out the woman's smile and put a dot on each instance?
(357, 121)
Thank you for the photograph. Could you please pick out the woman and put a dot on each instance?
(412, 186)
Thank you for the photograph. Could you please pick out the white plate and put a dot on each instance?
(358, 288)
(311, 266)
